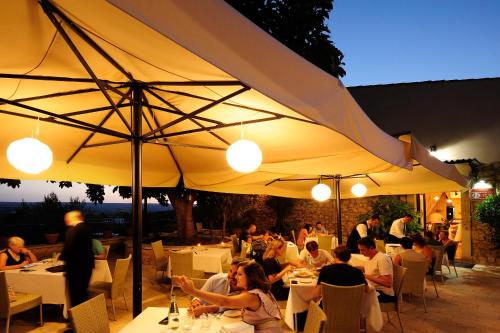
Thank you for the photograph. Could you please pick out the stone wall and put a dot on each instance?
(482, 246)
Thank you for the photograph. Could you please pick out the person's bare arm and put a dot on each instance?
(278, 276)
(384, 280)
(243, 300)
(397, 260)
(29, 254)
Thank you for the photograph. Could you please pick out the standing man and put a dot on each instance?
(361, 230)
(378, 270)
(222, 283)
(398, 229)
(78, 256)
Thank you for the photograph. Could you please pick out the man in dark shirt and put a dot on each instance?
(246, 234)
(340, 273)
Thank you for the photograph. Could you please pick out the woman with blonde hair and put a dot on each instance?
(274, 270)
(16, 256)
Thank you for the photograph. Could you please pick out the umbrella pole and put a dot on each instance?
(137, 199)
(338, 214)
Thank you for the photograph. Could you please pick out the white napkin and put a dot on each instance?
(238, 327)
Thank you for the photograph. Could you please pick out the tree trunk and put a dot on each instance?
(183, 215)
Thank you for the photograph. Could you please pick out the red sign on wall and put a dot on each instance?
(481, 194)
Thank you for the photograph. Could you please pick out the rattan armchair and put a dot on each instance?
(325, 243)
(161, 260)
(397, 284)
(342, 306)
(90, 316)
(182, 264)
(115, 289)
(415, 278)
(22, 303)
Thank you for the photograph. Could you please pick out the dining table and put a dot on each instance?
(148, 321)
(207, 259)
(51, 286)
(302, 291)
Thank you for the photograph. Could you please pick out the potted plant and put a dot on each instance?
(51, 213)
(488, 212)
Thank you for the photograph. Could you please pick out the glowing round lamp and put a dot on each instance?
(359, 189)
(29, 155)
(481, 185)
(436, 198)
(244, 156)
(321, 192)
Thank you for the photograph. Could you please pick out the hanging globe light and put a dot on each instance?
(244, 156)
(321, 192)
(359, 189)
(29, 155)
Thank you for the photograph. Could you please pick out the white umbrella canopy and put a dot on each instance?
(181, 53)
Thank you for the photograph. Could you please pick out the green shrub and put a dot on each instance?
(488, 212)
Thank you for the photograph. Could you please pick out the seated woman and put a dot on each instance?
(259, 306)
(16, 256)
(303, 234)
(274, 270)
(421, 247)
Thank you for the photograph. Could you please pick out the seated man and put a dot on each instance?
(408, 253)
(222, 283)
(98, 249)
(320, 229)
(378, 270)
(340, 273)
(313, 256)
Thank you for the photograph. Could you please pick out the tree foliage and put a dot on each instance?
(389, 209)
(488, 212)
(282, 207)
(10, 182)
(298, 24)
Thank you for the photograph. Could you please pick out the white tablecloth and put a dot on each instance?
(51, 286)
(302, 293)
(148, 320)
(208, 259)
(393, 249)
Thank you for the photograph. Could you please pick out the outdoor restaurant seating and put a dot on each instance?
(244, 250)
(342, 306)
(316, 319)
(451, 251)
(106, 251)
(415, 278)
(398, 280)
(114, 289)
(161, 260)
(21, 303)
(325, 243)
(90, 316)
(438, 253)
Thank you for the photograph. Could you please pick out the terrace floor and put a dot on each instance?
(469, 303)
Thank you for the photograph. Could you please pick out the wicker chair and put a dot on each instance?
(182, 264)
(325, 243)
(438, 252)
(161, 260)
(343, 307)
(236, 243)
(244, 250)
(22, 303)
(90, 316)
(397, 283)
(114, 289)
(414, 278)
(106, 251)
(451, 250)
(293, 237)
(316, 319)
(380, 244)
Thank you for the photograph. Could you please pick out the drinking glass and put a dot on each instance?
(173, 321)
(206, 321)
(187, 323)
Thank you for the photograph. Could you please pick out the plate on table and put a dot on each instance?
(232, 313)
(27, 266)
(303, 274)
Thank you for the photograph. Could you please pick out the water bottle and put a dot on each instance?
(54, 258)
(173, 314)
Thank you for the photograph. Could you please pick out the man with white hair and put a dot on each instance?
(78, 256)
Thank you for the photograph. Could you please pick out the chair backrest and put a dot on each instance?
(106, 250)
(293, 237)
(438, 252)
(451, 251)
(316, 319)
(380, 245)
(343, 307)
(325, 243)
(398, 279)
(4, 296)
(159, 254)
(414, 276)
(181, 263)
(120, 277)
(90, 316)
(244, 250)
(235, 241)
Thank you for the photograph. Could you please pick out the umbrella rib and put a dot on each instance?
(216, 127)
(102, 108)
(187, 145)
(196, 83)
(49, 10)
(59, 94)
(156, 107)
(182, 93)
(200, 110)
(108, 143)
(191, 119)
(52, 78)
(91, 135)
(151, 113)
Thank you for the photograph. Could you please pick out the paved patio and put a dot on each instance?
(469, 303)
